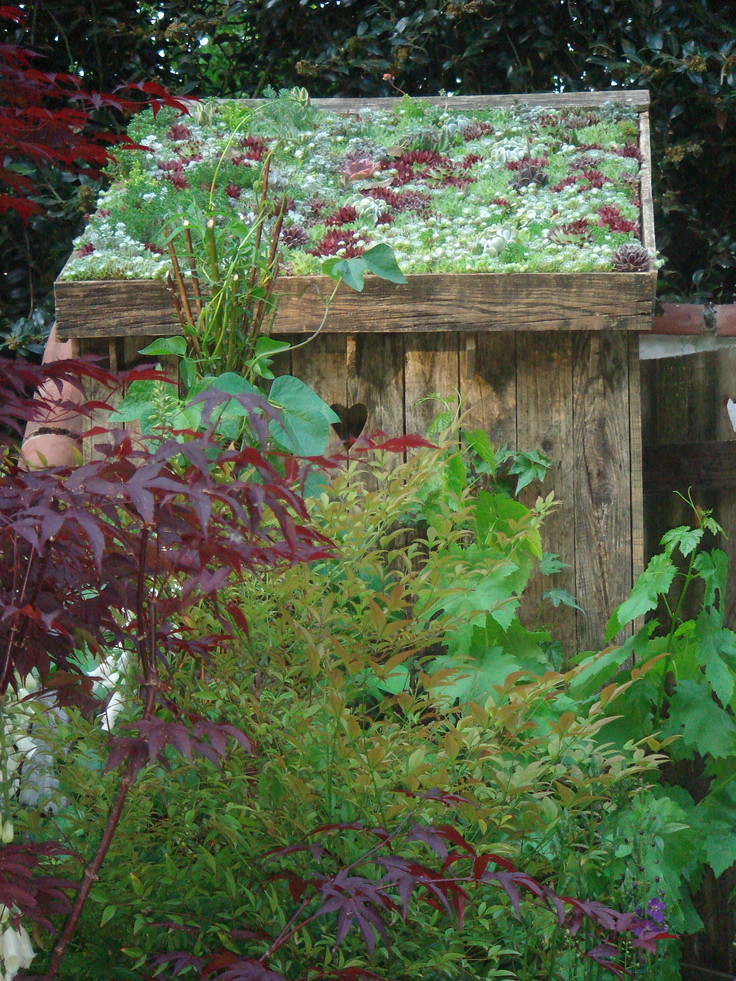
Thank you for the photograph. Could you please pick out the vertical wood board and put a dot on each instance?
(602, 467)
(430, 368)
(635, 436)
(487, 381)
(375, 376)
(322, 364)
(544, 422)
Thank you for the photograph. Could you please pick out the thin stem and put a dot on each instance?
(17, 634)
(311, 337)
(260, 219)
(91, 872)
(4, 771)
(184, 299)
(673, 627)
(209, 236)
(247, 118)
(193, 269)
(271, 270)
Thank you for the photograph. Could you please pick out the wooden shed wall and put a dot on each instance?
(575, 397)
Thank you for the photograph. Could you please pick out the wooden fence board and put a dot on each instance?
(635, 450)
(375, 373)
(488, 385)
(322, 364)
(545, 422)
(430, 367)
(602, 475)
(637, 98)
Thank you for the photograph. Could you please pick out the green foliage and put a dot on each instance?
(379, 260)
(682, 51)
(686, 679)
(399, 663)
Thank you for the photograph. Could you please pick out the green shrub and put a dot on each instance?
(398, 665)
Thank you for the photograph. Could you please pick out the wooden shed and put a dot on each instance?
(544, 361)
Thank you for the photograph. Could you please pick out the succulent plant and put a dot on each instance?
(581, 120)
(631, 257)
(294, 236)
(530, 172)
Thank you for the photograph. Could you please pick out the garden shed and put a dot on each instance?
(544, 360)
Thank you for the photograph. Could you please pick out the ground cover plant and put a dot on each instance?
(523, 189)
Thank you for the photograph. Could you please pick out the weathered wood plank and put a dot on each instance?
(545, 422)
(725, 504)
(635, 438)
(645, 183)
(442, 301)
(375, 373)
(682, 400)
(430, 368)
(488, 385)
(637, 98)
(602, 465)
(474, 301)
(708, 465)
(322, 364)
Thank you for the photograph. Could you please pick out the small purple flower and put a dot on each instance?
(652, 917)
(656, 911)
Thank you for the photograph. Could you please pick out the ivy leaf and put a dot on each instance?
(379, 260)
(715, 818)
(304, 425)
(654, 582)
(703, 726)
(266, 348)
(350, 271)
(528, 467)
(137, 403)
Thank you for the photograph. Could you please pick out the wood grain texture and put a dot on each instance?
(430, 368)
(112, 308)
(545, 422)
(637, 98)
(442, 301)
(602, 466)
(682, 395)
(635, 452)
(645, 183)
(488, 384)
(725, 504)
(376, 377)
(708, 465)
(109, 353)
(322, 364)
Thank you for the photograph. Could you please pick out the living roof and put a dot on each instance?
(522, 188)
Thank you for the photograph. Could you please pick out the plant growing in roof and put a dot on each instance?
(550, 175)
